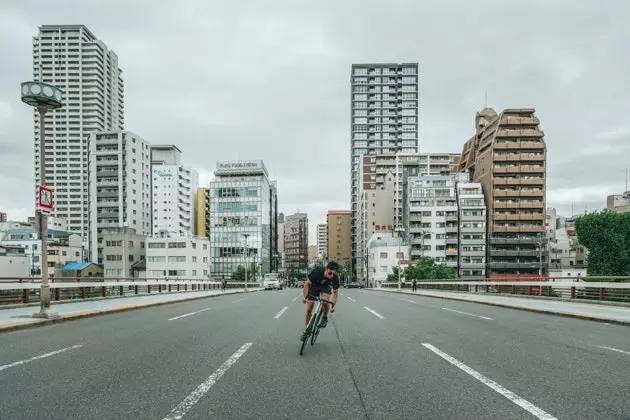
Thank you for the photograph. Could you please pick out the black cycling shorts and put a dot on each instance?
(315, 290)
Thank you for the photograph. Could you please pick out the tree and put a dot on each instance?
(427, 269)
(394, 275)
(606, 235)
(239, 274)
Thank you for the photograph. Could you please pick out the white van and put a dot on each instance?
(272, 281)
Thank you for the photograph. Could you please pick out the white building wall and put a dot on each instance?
(322, 239)
(120, 186)
(73, 59)
(383, 253)
(178, 257)
(15, 266)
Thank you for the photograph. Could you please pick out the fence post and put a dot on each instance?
(24, 295)
(169, 288)
(148, 288)
(136, 289)
(104, 291)
(83, 292)
(122, 291)
(602, 295)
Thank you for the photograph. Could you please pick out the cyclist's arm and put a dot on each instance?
(307, 286)
(335, 296)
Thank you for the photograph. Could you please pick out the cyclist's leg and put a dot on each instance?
(309, 310)
(325, 308)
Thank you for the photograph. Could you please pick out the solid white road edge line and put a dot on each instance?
(614, 349)
(466, 313)
(374, 312)
(526, 405)
(279, 314)
(185, 315)
(192, 399)
(351, 298)
(41, 356)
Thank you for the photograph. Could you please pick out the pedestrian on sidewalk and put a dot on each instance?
(413, 285)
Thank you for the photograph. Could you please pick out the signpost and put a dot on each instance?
(45, 199)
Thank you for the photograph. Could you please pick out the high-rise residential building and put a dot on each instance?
(339, 247)
(322, 241)
(296, 243)
(432, 216)
(384, 119)
(508, 157)
(3, 217)
(174, 191)
(241, 198)
(120, 186)
(472, 229)
(202, 212)
(73, 59)
(384, 181)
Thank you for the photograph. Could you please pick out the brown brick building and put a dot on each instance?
(508, 156)
(339, 246)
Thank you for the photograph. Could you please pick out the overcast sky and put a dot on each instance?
(270, 80)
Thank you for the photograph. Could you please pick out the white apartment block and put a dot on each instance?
(322, 240)
(472, 228)
(432, 216)
(384, 252)
(384, 108)
(124, 250)
(120, 186)
(174, 191)
(73, 59)
(177, 256)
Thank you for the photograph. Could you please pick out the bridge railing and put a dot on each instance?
(603, 289)
(27, 290)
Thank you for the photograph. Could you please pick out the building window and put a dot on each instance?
(383, 255)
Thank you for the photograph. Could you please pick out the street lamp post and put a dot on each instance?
(246, 235)
(400, 231)
(45, 98)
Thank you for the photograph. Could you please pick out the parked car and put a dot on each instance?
(353, 285)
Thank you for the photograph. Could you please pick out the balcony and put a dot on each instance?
(507, 170)
(463, 253)
(538, 145)
(532, 181)
(501, 228)
(532, 205)
(532, 169)
(451, 251)
(451, 263)
(506, 145)
(526, 157)
(452, 228)
(452, 218)
(506, 193)
(514, 264)
(513, 240)
(452, 240)
(506, 205)
(470, 265)
(507, 181)
(532, 192)
(502, 216)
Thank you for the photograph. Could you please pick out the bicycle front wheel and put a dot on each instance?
(309, 330)
(316, 328)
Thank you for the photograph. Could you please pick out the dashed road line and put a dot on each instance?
(467, 313)
(279, 314)
(374, 312)
(189, 314)
(41, 356)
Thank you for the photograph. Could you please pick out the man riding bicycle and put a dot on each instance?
(322, 281)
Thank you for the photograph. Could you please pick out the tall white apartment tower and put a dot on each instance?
(174, 191)
(73, 59)
(120, 186)
(384, 108)
(322, 240)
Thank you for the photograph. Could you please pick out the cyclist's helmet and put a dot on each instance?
(333, 265)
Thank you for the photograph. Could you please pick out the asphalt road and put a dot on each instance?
(383, 356)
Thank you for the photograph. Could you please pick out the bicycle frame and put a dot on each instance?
(312, 329)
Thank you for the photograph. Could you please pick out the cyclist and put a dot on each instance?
(322, 281)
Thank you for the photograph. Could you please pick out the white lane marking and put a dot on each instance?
(295, 298)
(614, 349)
(466, 313)
(238, 300)
(351, 298)
(408, 300)
(526, 405)
(41, 356)
(185, 315)
(374, 312)
(279, 314)
(194, 397)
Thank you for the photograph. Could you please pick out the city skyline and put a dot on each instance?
(574, 94)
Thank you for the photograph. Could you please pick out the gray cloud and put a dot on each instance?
(270, 79)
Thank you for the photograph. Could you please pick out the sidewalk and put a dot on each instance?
(582, 310)
(19, 318)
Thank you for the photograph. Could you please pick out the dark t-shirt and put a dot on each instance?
(318, 279)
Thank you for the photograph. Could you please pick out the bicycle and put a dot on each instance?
(312, 329)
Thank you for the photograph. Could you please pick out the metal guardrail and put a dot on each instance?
(602, 289)
(26, 290)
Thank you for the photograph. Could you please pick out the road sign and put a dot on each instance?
(45, 199)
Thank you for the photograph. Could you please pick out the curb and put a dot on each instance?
(522, 308)
(90, 314)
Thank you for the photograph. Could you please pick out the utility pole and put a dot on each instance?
(246, 236)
